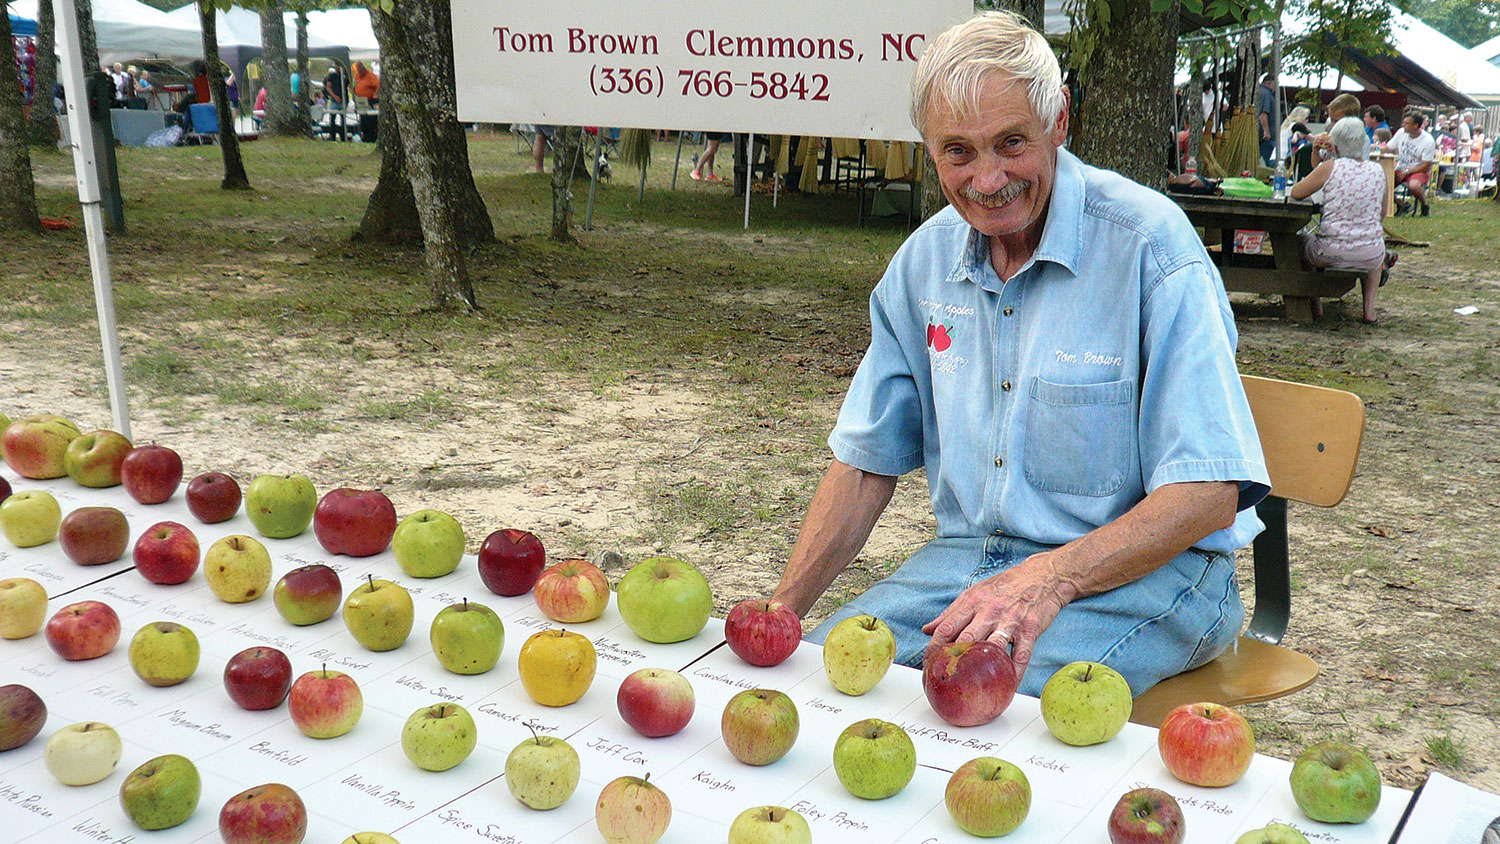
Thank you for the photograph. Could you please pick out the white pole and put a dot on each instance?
(749, 175)
(70, 69)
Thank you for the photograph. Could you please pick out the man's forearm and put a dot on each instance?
(837, 524)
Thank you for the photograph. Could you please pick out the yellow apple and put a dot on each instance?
(556, 666)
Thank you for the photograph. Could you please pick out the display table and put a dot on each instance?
(363, 780)
(133, 126)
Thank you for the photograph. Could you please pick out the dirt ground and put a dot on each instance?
(1394, 591)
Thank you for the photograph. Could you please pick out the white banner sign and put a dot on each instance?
(812, 67)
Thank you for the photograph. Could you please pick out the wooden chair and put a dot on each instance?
(1311, 438)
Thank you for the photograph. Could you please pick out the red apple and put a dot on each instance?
(1206, 744)
(656, 702)
(308, 594)
(35, 445)
(510, 561)
(356, 522)
(325, 704)
(22, 715)
(1146, 816)
(84, 630)
(572, 591)
(760, 725)
(167, 553)
(93, 459)
(258, 678)
(763, 632)
(151, 473)
(266, 814)
(212, 497)
(4, 488)
(91, 536)
(968, 683)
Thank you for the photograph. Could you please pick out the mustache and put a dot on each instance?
(1000, 197)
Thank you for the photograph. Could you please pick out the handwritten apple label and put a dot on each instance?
(114, 696)
(334, 659)
(24, 799)
(37, 670)
(451, 818)
(388, 797)
(42, 571)
(273, 640)
(715, 782)
(612, 651)
(417, 685)
(531, 622)
(188, 616)
(279, 755)
(721, 677)
(179, 719)
(95, 830)
(135, 599)
(819, 703)
(1037, 761)
(841, 819)
(938, 734)
(524, 720)
(615, 749)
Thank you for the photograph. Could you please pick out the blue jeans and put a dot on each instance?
(1175, 619)
(1267, 151)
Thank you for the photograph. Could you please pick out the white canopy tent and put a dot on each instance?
(1489, 51)
(349, 27)
(128, 29)
(240, 27)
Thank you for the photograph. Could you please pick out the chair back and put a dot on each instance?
(204, 119)
(1310, 436)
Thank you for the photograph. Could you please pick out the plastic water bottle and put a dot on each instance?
(1191, 167)
(1279, 185)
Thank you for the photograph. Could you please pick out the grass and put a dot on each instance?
(1445, 750)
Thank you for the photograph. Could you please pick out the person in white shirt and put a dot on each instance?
(1415, 153)
(1465, 129)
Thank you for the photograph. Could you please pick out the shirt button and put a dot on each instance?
(999, 461)
(1005, 385)
(1009, 310)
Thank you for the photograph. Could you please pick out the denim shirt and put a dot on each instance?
(1049, 405)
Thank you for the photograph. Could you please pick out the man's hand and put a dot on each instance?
(1010, 609)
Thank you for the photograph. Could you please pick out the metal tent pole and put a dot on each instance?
(749, 175)
(70, 68)
(678, 163)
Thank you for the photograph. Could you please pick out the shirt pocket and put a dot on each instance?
(1078, 436)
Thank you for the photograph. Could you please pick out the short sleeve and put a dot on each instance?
(1195, 422)
(879, 429)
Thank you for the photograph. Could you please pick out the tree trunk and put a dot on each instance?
(17, 189)
(432, 22)
(1247, 71)
(302, 100)
(565, 142)
(1033, 11)
(280, 119)
(88, 37)
(43, 129)
(1125, 117)
(1194, 100)
(932, 199)
(391, 214)
(229, 142)
(400, 32)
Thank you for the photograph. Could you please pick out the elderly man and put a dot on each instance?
(1056, 349)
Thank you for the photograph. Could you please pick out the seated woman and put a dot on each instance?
(1350, 235)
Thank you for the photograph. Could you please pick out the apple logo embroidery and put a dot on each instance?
(939, 336)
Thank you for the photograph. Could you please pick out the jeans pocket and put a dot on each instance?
(1078, 436)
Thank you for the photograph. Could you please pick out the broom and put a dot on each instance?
(635, 148)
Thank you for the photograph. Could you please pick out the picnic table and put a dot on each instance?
(1278, 273)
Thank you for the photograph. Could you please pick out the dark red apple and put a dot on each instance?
(763, 632)
(91, 536)
(22, 715)
(258, 678)
(510, 561)
(266, 814)
(356, 522)
(1147, 816)
(212, 497)
(84, 630)
(151, 473)
(968, 683)
(4, 488)
(167, 553)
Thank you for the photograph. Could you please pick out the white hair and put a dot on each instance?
(1349, 138)
(957, 64)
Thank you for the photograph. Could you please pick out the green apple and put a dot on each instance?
(30, 517)
(23, 607)
(542, 772)
(164, 653)
(467, 638)
(769, 825)
(857, 653)
(874, 759)
(379, 614)
(82, 753)
(93, 459)
(237, 568)
(428, 543)
(161, 793)
(664, 600)
(281, 506)
(988, 797)
(1276, 833)
(1086, 703)
(439, 737)
(1334, 782)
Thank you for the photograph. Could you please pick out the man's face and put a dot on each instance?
(1370, 121)
(997, 166)
(1410, 125)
